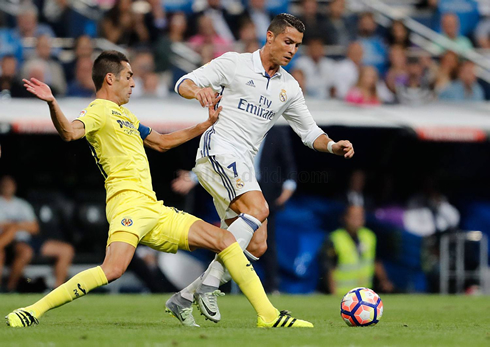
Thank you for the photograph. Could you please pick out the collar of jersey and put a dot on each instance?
(109, 102)
(259, 68)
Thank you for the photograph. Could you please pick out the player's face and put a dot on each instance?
(124, 84)
(285, 45)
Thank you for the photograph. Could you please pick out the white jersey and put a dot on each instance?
(252, 101)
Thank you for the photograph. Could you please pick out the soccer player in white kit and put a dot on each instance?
(255, 91)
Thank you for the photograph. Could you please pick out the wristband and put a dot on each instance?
(329, 146)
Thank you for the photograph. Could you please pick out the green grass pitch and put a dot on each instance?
(139, 320)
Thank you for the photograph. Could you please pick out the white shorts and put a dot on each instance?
(224, 178)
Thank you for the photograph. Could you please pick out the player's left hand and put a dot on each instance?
(343, 147)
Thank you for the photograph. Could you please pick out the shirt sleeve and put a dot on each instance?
(93, 121)
(219, 72)
(300, 119)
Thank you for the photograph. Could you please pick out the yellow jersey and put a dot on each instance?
(113, 135)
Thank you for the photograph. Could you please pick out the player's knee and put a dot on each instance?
(224, 240)
(114, 272)
(260, 212)
(258, 248)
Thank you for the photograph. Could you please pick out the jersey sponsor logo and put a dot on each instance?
(250, 83)
(128, 127)
(257, 110)
(123, 123)
(127, 222)
(283, 96)
(116, 113)
(82, 113)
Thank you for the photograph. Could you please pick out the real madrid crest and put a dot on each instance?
(283, 96)
(239, 183)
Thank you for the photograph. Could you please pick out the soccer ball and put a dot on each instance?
(361, 307)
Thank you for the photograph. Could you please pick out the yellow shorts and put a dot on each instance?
(155, 225)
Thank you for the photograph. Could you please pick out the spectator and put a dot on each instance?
(143, 64)
(339, 29)
(18, 223)
(28, 27)
(153, 86)
(397, 73)
(351, 256)
(314, 19)
(260, 17)
(207, 42)
(318, 70)
(374, 48)
(8, 74)
(156, 19)
(10, 45)
(447, 71)
(83, 47)
(356, 195)
(82, 86)
(37, 68)
(450, 29)
(465, 10)
(398, 35)
(247, 35)
(347, 71)
(69, 19)
(430, 212)
(54, 75)
(416, 90)
(224, 23)
(163, 48)
(365, 91)
(122, 26)
(482, 33)
(466, 87)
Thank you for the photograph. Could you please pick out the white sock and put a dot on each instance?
(188, 292)
(243, 229)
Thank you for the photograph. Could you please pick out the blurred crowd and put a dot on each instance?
(345, 55)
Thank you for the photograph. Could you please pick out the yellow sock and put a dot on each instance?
(77, 286)
(244, 275)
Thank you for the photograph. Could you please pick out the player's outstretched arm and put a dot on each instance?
(68, 131)
(343, 147)
(189, 90)
(164, 142)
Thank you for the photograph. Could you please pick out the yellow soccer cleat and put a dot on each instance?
(21, 318)
(284, 320)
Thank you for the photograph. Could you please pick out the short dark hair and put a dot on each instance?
(107, 62)
(283, 20)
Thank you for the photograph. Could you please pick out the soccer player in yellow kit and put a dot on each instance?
(116, 139)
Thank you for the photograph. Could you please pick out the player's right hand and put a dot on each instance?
(39, 89)
(206, 97)
(214, 113)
